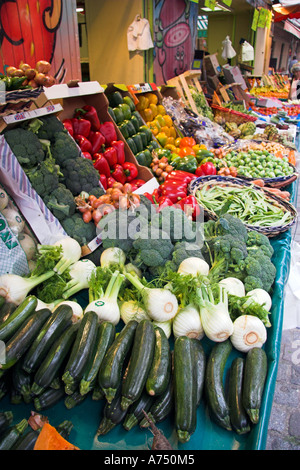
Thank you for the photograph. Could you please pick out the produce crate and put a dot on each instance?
(19, 100)
(182, 83)
(231, 115)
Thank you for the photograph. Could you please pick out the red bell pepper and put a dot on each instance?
(81, 127)
(175, 190)
(69, 126)
(206, 169)
(97, 140)
(164, 201)
(190, 206)
(119, 146)
(118, 174)
(150, 197)
(111, 156)
(137, 183)
(179, 175)
(101, 164)
(103, 181)
(89, 113)
(87, 155)
(130, 171)
(110, 181)
(109, 132)
(84, 143)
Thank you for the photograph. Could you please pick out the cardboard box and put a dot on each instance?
(234, 75)
(211, 65)
(142, 88)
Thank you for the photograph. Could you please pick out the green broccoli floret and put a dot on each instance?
(183, 250)
(64, 148)
(80, 175)
(76, 228)
(153, 247)
(44, 177)
(174, 221)
(26, 147)
(97, 191)
(259, 271)
(147, 205)
(257, 240)
(51, 126)
(227, 224)
(61, 202)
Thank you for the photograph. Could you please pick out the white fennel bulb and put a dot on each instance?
(166, 326)
(80, 273)
(187, 322)
(194, 266)
(132, 310)
(76, 309)
(112, 256)
(262, 297)
(248, 332)
(233, 286)
(71, 252)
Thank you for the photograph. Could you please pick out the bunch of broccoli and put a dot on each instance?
(234, 251)
(26, 146)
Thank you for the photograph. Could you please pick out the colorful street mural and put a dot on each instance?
(174, 31)
(33, 30)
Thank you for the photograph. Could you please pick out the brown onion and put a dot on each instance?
(42, 66)
(49, 80)
(40, 78)
(10, 70)
(32, 83)
(30, 73)
(24, 67)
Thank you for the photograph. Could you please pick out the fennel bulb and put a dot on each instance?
(194, 266)
(15, 288)
(75, 306)
(132, 310)
(262, 297)
(248, 332)
(107, 307)
(234, 286)
(51, 306)
(214, 314)
(80, 273)
(161, 304)
(71, 252)
(112, 256)
(166, 326)
(187, 322)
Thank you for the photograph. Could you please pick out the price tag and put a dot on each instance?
(11, 118)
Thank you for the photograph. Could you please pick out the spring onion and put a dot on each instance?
(161, 304)
(248, 332)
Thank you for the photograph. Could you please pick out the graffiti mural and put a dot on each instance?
(175, 30)
(33, 30)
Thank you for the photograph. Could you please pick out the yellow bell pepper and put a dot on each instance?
(161, 120)
(168, 120)
(171, 147)
(173, 132)
(161, 109)
(166, 130)
(171, 141)
(153, 108)
(147, 114)
(198, 147)
(162, 138)
(152, 97)
(143, 103)
(154, 126)
(177, 141)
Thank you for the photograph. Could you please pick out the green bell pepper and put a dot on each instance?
(125, 110)
(118, 115)
(124, 130)
(138, 142)
(129, 101)
(188, 163)
(135, 122)
(203, 153)
(132, 145)
(144, 158)
(146, 131)
(144, 139)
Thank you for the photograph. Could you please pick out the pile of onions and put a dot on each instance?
(33, 76)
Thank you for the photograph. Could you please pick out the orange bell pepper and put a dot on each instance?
(187, 142)
(184, 151)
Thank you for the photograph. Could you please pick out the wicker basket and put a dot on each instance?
(286, 206)
(231, 115)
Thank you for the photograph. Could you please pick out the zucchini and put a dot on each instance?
(51, 364)
(159, 374)
(21, 382)
(184, 389)
(214, 388)
(12, 434)
(7, 309)
(135, 411)
(6, 418)
(110, 372)
(162, 406)
(60, 319)
(81, 351)
(65, 428)
(238, 416)
(139, 363)
(113, 414)
(199, 368)
(48, 398)
(15, 320)
(19, 343)
(105, 336)
(254, 381)
(75, 399)
(26, 441)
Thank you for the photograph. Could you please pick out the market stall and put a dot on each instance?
(156, 214)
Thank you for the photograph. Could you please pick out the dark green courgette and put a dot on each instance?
(184, 389)
(26, 441)
(214, 387)
(54, 359)
(135, 411)
(7, 309)
(110, 372)
(162, 406)
(12, 434)
(6, 418)
(75, 399)
(81, 351)
(113, 414)
(48, 398)
(4, 385)
(21, 381)
(59, 320)
(19, 343)
(15, 320)
(159, 374)
(139, 363)
(255, 374)
(105, 337)
(238, 416)
(65, 428)
(199, 368)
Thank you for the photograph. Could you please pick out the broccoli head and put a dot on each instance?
(259, 272)
(76, 228)
(257, 240)
(50, 127)
(26, 146)
(175, 222)
(64, 148)
(80, 175)
(225, 225)
(61, 202)
(183, 250)
(153, 246)
(44, 177)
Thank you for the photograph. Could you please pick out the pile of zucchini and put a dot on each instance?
(50, 358)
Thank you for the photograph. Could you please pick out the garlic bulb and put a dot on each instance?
(187, 322)
(233, 286)
(248, 332)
